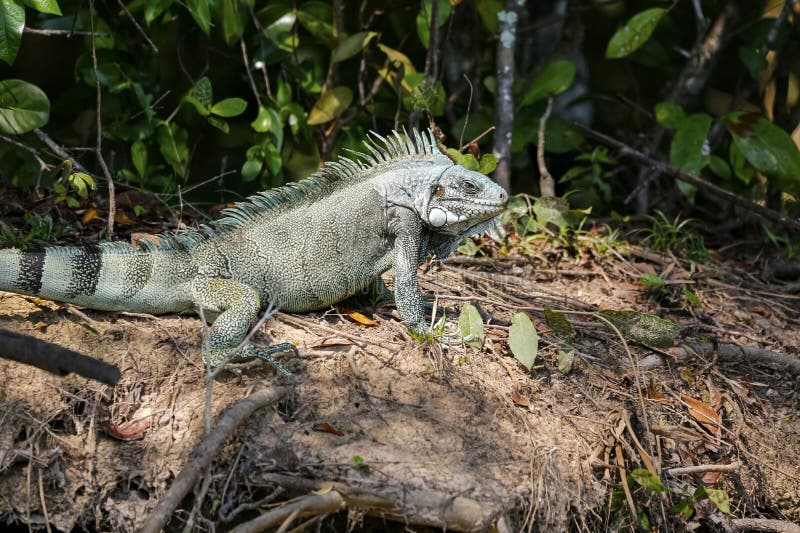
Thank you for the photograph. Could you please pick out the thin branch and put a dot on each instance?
(64, 33)
(504, 99)
(547, 186)
(205, 452)
(701, 469)
(661, 167)
(249, 74)
(138, 27)
(765, 524)
(310, 504)
(466, 117)
(112, 203)
(60, 151)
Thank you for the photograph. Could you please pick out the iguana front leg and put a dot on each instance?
(238, 305)
(408, 232)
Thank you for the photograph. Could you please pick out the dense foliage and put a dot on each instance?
(217, 98)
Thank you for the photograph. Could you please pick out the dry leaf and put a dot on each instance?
(653, 395)
(325, 342)
(703, 413)
(89, 215)
(121, 217)
(133, 431)
(712, 478)
(714, 396)
(361, 319)
(519, 399)
(327, 428)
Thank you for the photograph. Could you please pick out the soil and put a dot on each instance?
(374, 409)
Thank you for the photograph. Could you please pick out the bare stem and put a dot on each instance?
(547, 186)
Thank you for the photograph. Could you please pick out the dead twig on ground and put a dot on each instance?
(700, 469)
(205, 453)
(765, 524)
(735, 353)
(308, 505)
(547, 186)
(412, 506)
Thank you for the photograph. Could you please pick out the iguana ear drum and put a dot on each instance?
(438, 191)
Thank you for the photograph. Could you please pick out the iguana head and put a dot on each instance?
(461, 199)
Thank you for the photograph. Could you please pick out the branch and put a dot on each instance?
(504, 99)
(64, 33)
(547, 186)
(112, 204)
(700, 469)
(662, 168)
(406, 504)
(310, 504)
(205, 452)
(764, 524)
(138, 27)
(60, 151)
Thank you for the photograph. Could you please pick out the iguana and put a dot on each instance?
(301, 247)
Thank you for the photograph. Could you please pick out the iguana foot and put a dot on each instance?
(214, 358)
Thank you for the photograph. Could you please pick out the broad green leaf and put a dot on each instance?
(689, 151)
(488, 10)
(648, 480)
(634, 33)
(741, 168)
(424, 18)
(230, 107)
(488, 164)
(353, 45)
(685, 508)
(470, 324)
(768, 148)
(558, 322)
(564, 359)
(172, 141)
(12, 22)
(218, 123)
(201, 13)
(669, 114)
(719, 498)
(251, 169)
(425, 95)
(23, 107)
(651, 280)
(331, 104)
(265, 120)
(720, 167)
(44, 6)
(203, 91)
(81, 183)
(555, 78)
(316, 17)
(139, 157)
(154, 8)
(232, 27)
(396, 56)
(553, 210)
(753, 60)
(273, 159)
(281, 32)
(523, 340)
(643, 328)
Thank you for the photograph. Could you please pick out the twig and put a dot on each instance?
(205, 453)
(407, 504)
(736, 353)
(547, 186)
(699, 469)
(466, 116)
(765, 524)
(42, 500)
(359, 341)
(249, 74)
(663, 168)
(310, 504)
(504, 99)
(60, 151)
(138, 27)
(112, 203)
(64, 33)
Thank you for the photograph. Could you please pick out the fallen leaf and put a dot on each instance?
(703, 413)
(122, 218)
(519, 399)
(714, 396)
(327, 428)
(134, 431)
(653, 395)
(89, 215)
(362, 319)
(712, 478)
(325, 342)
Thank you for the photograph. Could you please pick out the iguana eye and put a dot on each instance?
(470, 187)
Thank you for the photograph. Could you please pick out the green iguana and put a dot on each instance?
(301, 247)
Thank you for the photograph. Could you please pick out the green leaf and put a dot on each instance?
(720, 167)
(487, 164)
(564, 359)
(717, 496)
(398, 57)
(691, 298)
(648, 480)
(230, 107)
(139, 157)
(201, 13)
(558, 322)
(553, 210)
(23, 107)
(523, 340)
(203, 91)
(424, 18)
(273, 159)
(651, 280)
(634, 33)
(316, 17)
(353, 45)
(219, 124)
(232, 27)
(12, 22)
(753, 60)
(331, 104)
(44, 6)
(684, 508)
(81, 183)
(555, 78)
(689, 151)
(669, 114)
(741, 168)
(488, 10)
(470, 324)
(173, 143)
(154, 8)
(767, 147)
(251, 169)
(643, 328)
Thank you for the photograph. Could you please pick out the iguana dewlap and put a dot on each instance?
(303, 246)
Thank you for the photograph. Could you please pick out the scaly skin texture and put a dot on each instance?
(301, 247)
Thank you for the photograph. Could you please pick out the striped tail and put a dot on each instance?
(108, 276)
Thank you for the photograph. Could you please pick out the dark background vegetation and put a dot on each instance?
(203, 102)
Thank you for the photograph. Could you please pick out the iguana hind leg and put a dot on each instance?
(238, 305)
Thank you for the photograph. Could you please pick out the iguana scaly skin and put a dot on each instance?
(303, 246)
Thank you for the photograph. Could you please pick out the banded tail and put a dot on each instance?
(108, 276)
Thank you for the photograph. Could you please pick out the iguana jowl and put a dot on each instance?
(303, 246)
